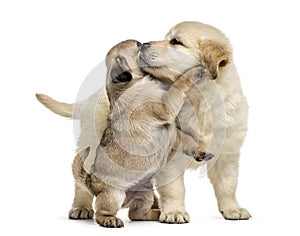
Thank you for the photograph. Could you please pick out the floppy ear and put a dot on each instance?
(117, 76)
(214, 56)
(120, 73)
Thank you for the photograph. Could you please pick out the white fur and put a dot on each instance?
(218, 118)
(221, 115)
(92, 114)
(226, 132)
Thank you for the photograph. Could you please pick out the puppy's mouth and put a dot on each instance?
(144, 60)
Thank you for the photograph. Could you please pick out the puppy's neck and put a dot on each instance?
(114, 91)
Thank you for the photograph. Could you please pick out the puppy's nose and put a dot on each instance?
(144, 46)
(138, 44)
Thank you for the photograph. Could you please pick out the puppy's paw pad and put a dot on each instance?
(81, 213)
(110, 221)
(236, 214)
(174, 217)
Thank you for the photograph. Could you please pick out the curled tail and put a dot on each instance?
(60, 108)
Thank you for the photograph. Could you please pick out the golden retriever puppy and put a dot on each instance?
(220, 106)
(218, 115)
(137, 143)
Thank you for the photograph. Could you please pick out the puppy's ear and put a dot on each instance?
(120, 72)
(214, 56)
(117, 76)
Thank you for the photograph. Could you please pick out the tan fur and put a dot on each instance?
(92, 114)
(137, 143)
(199, 40)
(214, 56)
(151, 125)
(83, 199)
(63, 109)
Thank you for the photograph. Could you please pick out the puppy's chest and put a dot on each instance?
(144, 144)
(133, 122)
(133, 148)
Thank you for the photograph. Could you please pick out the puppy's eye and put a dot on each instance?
(175, 42)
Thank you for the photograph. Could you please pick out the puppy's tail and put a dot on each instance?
(60, 108)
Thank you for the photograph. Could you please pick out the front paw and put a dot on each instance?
(203, 156)
(174, 217)
(109, 221)
(236, 214)
(81, 213)
(199, 154)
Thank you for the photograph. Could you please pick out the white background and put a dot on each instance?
(51, 46)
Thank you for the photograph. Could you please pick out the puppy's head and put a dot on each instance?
(122, 68)
(186, 45)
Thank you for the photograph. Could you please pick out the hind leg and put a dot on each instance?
(82, 204)
(108, 202)
(140, 208)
